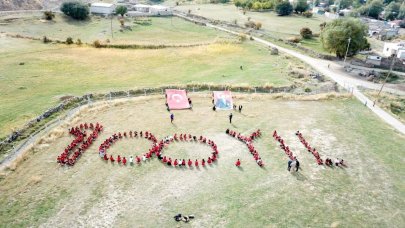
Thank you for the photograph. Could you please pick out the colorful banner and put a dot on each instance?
(223, 100)
(177, 99)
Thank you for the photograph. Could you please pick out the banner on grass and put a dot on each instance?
(177, 99)
(223, 100)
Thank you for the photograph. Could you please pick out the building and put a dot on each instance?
(102, 8)
(141, 10)
(373, 59)
(396, 49)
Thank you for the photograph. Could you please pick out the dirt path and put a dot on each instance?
(327, 68)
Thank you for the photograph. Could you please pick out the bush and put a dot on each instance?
(307, 14)
(46, 40)
(307, 90)
(258, 25)
(242, 37)
(75, 10)
(79, 42)
(97, 44)
(294, 39)
(69, 40)
(284, 8)
(306, 33)
(250, 24)
(49, 15)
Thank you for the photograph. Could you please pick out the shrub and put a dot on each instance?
(75, 10)
(250, 24)
(46, 39)
(258, 25)
(284, 8)
(294, 39)
(242, 37)
(97, 44)
(49, 15)
(79, 42)
(307, 14)
(122, 22)
(306, 33)
(307, 90)
(69, 40)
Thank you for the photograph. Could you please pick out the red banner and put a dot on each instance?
(177, 99)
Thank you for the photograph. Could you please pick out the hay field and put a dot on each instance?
(369, 193)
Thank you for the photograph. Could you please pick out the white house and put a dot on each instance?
(102, 8)
(142, 8)
(160, 10)
(373, 59)
(397, 49)
(149, 10)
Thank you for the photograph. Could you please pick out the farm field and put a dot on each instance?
(367, 193)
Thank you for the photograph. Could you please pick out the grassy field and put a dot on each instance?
(155, 30)
(276, 26)
(51, 71)
(368, 193)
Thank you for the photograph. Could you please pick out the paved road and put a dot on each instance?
(326, 67)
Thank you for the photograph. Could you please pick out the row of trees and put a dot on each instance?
(392, 9)
(282, 7)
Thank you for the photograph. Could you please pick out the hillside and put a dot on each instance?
(20, 4)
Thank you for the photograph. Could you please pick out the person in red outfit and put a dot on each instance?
(124, 161)
(175, 162)
(183, 163)
(237, 163)
(138, 159)
(112, 159)
(119, 159)
(105, 157)
(203, 162)
(190, 163)
(196, 163)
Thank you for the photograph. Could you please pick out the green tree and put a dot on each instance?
(300, 6)
(401, 14)
(284, 8)
(75, 10)
(391, 11)
(374, 8)
(343, 4)
(335, 36)
(121, 10)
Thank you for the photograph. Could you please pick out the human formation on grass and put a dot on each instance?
(176, 100)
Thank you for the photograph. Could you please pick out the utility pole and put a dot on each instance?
(112, 34)
(385, 80)
(347, 50)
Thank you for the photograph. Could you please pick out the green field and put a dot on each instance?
(51, 71)
(155, 30)
(368, 193)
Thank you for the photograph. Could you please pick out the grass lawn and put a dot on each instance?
(51, 71)
(154, 30)
(314, 44)
(276, 26)
(370, 192)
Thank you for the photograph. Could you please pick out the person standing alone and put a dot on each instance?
(230, 117)
(171, 117)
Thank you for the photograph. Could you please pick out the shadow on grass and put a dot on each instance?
(299, 176)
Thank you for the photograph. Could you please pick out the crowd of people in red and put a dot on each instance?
(80, 144)
(155, 150)
(286, 149)
(249, 143)
(189, 138)
(309, 148)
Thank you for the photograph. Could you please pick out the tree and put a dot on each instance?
(343, 4)
(374, 9)
(49, 15)
(76, 10)
(121, 10)
(306, 33)
(335, 36)
(401, 14)
(284, 8)
(391, 11)
(300, 6)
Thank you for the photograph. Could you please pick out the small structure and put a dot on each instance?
(149, 10)
(102, 8)
(373, 59)
(394, 49)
